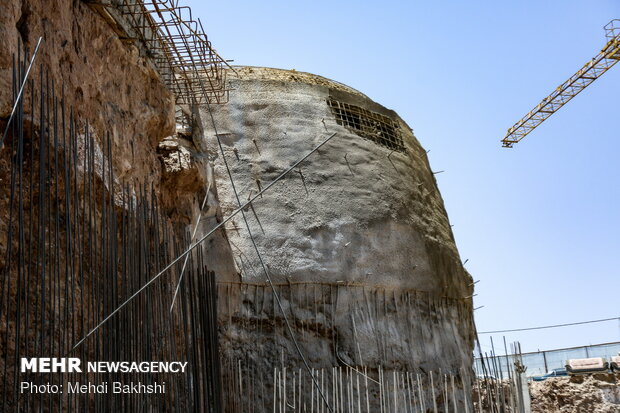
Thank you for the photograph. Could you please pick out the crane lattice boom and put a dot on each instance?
(591, 71)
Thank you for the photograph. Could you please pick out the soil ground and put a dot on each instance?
(598, 393)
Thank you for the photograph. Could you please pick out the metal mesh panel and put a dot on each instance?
(369, 125)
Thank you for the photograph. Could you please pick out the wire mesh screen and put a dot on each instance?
(369, 125)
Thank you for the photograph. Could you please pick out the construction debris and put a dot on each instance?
(597, 393)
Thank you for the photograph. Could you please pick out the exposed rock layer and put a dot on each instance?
(594, 393)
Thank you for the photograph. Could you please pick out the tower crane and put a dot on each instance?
(601, 63)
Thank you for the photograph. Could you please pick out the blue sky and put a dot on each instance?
(539, 223)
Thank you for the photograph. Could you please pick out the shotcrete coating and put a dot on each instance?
(358, 238)
(365, 214)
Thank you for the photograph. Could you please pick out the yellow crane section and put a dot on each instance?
(591, 71)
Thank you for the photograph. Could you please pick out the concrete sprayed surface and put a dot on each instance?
(357, 237)
(354, 211)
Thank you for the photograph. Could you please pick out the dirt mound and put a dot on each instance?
(598, 393)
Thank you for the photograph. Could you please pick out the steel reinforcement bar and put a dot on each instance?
(175, 42)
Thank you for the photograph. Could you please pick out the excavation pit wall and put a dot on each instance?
(359, 222)
(106, 81)
(366, 346)
(356, 214)
(128, 206)
(348, 324)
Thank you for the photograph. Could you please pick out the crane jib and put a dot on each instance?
(591, 71)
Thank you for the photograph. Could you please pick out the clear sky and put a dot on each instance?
(539, 223)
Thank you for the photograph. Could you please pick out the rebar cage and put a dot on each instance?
(176, 43)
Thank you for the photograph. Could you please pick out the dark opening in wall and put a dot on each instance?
(369, 125)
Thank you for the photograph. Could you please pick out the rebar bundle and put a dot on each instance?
(366, 345)
(75, 243)
(497, 390)
(360, 389)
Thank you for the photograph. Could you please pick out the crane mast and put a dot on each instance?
(591, 71)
